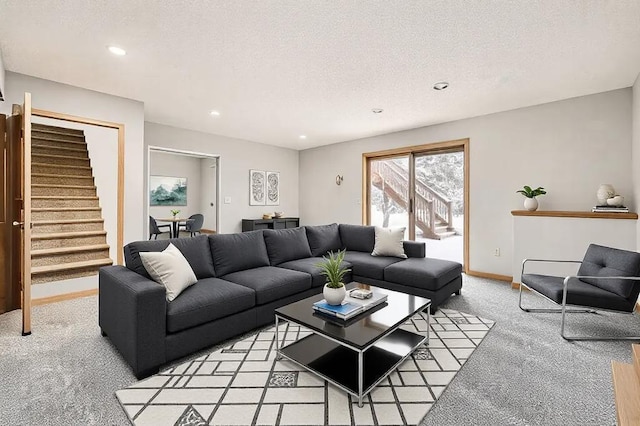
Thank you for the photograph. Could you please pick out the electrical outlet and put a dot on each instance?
(496, 252)
(227, 200)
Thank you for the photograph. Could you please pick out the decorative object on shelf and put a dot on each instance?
(277, 215)
(266, 216)
(273, 188)
(339, 179)
(175, 213)
(167, 191)
(334, 291)
(605, 191)
(530, 201)
(257, 187)
(616, 201)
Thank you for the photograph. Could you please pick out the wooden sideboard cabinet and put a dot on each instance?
(281, 223)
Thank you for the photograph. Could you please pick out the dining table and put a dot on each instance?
(175, 222)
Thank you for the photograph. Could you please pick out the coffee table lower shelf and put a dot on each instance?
(339, 364)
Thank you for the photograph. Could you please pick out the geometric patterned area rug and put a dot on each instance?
(242, 384)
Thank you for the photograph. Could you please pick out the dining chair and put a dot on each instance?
(193, 225)
(154, 228)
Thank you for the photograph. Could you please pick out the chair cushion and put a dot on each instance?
(284, 245)
(426, 273)
(271, 283)
(600, 261)
(323, 239)
(207, 300)
(358, 237)
(578, 292)
(237, 252)
(369, 266)
(195, 250)
(308, 265)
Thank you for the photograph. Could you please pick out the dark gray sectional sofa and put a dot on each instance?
(242, 278)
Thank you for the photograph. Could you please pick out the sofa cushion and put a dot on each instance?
(358, 237)
(271, 283)
(430, 274)
(237, 252)
(284, 245)
(323, 239)
(308, 265)
(207, 300)
(600, 261)
(195, 250)
(369, 266)
(578, 292)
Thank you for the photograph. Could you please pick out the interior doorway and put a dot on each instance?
(183, 181)
(424, 189)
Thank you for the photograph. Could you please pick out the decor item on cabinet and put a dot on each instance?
(605, 191)
(332, 268)
(277, 215)
(175, 213)
(530, 201)
(616, 201)
(266, 216)
(273, 188)
(339, 179)
(167, 191)
(257, 187)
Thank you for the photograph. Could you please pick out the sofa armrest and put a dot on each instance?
(414, 249)
(132, 312)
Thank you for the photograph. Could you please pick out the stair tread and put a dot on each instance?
(41, 138)
(68, 166)
(63, 250)
(63, 148)
(39, 127)
(626, 389)
(60, 176)
(56, 185)
(66, 157)
(72, 234)
(63, 197)
(65, 221)
(71, 265)
(64, 209)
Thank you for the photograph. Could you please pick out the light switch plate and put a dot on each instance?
(227, 200)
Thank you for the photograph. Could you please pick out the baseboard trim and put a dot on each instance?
(208, 231)
(66, 296)
(516, 286)
(489, 275)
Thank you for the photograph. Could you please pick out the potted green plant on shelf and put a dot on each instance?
(332, 268)
(175, 213)
(530, 201)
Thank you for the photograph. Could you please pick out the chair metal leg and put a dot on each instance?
(551, 310)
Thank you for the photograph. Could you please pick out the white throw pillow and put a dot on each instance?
(169, 268)
(389, 242)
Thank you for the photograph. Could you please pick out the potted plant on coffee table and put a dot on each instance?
(332, 268)
(530, 202)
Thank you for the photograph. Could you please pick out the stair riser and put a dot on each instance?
(51, 150)
(57, 180)
(69, 257)
(57, 215)
(64, 275)
(56, 136)
(54, 143)
(62, 202)
(71, 192)
(81, 162)
(68, 242)
(67, 227)
(55, 129)
(53, 169)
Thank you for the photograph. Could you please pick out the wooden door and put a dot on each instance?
(5, 221)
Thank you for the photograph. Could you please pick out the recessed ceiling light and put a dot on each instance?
(215, 113)
(303, 136)
(117, 50)
(377, 110)
(441, 85)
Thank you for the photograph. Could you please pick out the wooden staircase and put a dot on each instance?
(433, 211)
(68, 237)
(626, 388)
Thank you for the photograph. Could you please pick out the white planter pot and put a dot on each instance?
(531, 204)
(605, 191)
(334, 296)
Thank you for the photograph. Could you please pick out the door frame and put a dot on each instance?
(187, 153)
(412, 151)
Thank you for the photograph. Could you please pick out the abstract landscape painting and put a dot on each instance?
(167, 191)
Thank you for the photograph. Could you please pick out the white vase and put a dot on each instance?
(531, 204)
(617, 201)
(605, 191)
(334, 296)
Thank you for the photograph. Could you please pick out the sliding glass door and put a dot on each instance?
(389, 190)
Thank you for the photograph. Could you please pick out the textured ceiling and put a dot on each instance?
(277, 69)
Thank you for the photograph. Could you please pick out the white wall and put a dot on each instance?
(52, 96)
(237, 157)
(175, 165)
(636, 147)
(569, 147)
(208, 191)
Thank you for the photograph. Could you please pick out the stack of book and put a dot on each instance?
(350, 306)
(610, 209)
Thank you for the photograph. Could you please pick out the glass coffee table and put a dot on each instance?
(357, 354)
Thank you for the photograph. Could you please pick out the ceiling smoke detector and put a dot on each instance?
(377, 110)
(441, 85)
